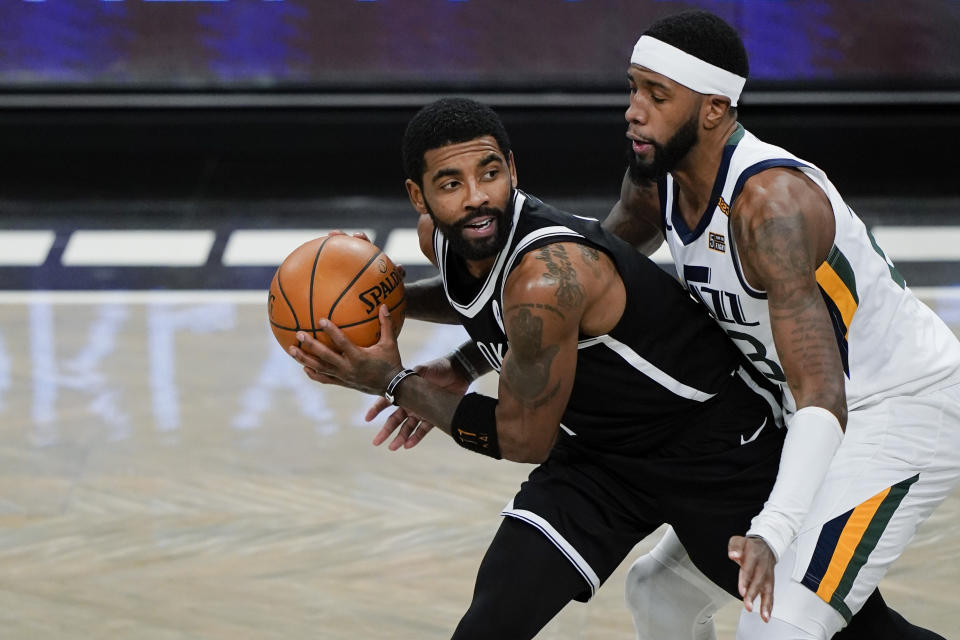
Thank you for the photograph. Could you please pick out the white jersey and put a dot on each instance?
(890, 343)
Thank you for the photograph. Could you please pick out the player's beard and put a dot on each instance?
(484, 247)
(666, 156)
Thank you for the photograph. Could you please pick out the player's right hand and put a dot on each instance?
(756, 578)
(410, 428)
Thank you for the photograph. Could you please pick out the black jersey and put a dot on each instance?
(637, 386)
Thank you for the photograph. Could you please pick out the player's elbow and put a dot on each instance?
(519, 445)
(522, 452)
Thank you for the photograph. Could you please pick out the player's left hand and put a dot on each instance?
(756, 562)
(411, 428)
(366, 369)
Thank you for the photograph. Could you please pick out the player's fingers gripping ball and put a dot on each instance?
(339, 277)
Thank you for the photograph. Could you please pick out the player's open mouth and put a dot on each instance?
(482, 224)
(480, 227)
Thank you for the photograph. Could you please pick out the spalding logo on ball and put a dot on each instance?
(342, 278)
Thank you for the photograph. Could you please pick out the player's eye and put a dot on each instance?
(657, 99)
(449, 186)
(491, 174)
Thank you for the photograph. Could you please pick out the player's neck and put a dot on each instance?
(696, 173)
(480, 268)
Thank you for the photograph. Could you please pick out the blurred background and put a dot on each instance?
(236, 113)
(165, 470)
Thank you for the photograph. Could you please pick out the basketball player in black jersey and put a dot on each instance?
(612, 378)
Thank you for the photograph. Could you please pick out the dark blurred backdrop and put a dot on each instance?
(289, 99)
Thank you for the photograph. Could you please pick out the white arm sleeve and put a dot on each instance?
(813, 437)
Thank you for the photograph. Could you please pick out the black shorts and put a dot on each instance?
(595, 505)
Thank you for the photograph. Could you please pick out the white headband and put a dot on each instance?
(688, 70)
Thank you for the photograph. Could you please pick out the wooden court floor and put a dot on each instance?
(167, 472)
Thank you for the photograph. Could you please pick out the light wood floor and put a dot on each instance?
(167, 472)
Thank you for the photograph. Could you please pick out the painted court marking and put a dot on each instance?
(146, 248)
(268, 247)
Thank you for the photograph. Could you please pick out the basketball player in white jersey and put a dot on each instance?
(869, 376)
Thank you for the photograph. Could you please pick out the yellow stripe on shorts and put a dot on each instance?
(845, 543)
(853, 532)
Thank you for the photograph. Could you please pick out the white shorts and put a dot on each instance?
(899, 459)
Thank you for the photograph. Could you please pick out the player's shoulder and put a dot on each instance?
(564, 268)
(541, 213)
(777, 193)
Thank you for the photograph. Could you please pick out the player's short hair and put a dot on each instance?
(448, 121)
(705, 36)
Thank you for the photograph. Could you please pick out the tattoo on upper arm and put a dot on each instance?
(560, 270)
(527, 372)
(536, 305)
(591, 258)
(781, 254)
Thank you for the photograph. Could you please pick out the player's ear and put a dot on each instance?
(715, 110)
(512, 163)
(416, 196)
(425, 237)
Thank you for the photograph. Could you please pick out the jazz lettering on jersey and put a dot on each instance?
(725, 306)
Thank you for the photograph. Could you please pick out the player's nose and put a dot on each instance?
(635, 113)
(476, 195)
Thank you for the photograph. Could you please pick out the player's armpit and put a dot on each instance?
(635, 218)
(543, 303)
(777, 242)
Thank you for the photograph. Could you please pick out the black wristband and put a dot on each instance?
(474, 425)
(390, 393)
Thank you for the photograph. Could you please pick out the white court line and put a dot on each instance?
(918, 244)
(403, 247)
(191, 296)
(268, 247)
(25, 248)
(142, 248)
(252, 296)
(907, 244)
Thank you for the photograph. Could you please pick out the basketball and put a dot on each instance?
(341, 278)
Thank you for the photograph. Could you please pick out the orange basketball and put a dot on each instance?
(342, 278)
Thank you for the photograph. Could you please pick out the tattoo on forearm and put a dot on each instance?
(812, 346)
(560, 270)
(527, 371)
